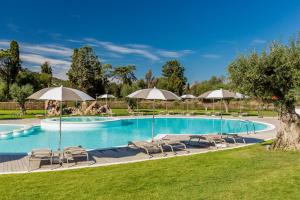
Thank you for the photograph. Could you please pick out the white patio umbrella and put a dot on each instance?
(106, 96)
(218, 94)
(60, 94)
(187, 97)
(153, 94)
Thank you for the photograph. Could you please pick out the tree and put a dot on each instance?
(28, 77)
(173, 71)
(86, 71)
(15, 58)
(127, 89)
(125, 74)
(46, 74)
(213, 83)
(106, 71)
(10, 65)
(5, 70)
(20, 93)
(149, 79)
(273, 75)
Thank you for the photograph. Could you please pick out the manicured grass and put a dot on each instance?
(245, 173)
(12, 114)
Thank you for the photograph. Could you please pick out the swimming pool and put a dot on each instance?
(118, 132)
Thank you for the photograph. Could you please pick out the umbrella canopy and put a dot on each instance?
(217, 94)
(154, 94)
(297, 110)
(106, 96)
(60, 94)
(240, 96)
(188, 96)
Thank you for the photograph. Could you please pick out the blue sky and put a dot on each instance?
(204, 36)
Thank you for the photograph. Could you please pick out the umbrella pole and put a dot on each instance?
(153, 121)
(59, 143)
(221, 117)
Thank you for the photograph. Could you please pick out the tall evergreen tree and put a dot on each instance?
(15, 60)
(86, 71)
(173, 72)
(10, 65)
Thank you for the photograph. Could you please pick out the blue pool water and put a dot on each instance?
(9, 127)
(119, 132)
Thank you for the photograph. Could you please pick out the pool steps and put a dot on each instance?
(25, 130)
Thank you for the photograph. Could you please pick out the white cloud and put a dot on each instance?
(146, 51)
(60, 66)
(140, 46)
(258, 41)
(38, 59)
(211, 56)
(174, 54)
(47, 49)
(123, 49)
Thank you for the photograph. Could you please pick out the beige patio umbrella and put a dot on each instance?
(153, 94)
(187, 97)
(106, 96)
(60, 94)
(220, 94)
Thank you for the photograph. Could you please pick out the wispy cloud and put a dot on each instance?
(33, 55)
(47, 49)
(174, 54)
(258, 41)
(123, 49)
(33, 61)
(74, 41)
(211, 56)
(59, 56)
(143, 50)
(38, 59)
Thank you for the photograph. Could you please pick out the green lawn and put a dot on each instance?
(245, 173)
(12, 114)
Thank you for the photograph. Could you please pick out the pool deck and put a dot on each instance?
(18, 163)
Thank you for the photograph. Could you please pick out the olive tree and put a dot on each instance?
(20, 93)
(273, 75)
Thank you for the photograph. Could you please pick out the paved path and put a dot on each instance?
(19, 163)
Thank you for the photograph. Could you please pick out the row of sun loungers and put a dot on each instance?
(69, 153)
(156, 146)
(159, 146)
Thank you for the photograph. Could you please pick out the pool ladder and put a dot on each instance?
(245, 123)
